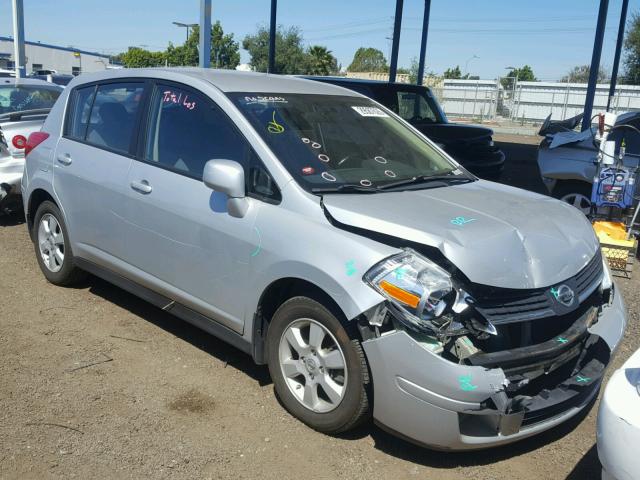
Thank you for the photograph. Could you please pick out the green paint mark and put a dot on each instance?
(273, 126)
(400, 272)
(581, 379)
(350, 267)
(465, 383)
(554, 292)
(259, 247)
(561, 340)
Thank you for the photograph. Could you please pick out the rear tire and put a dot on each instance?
(326, 384)
(52, 246)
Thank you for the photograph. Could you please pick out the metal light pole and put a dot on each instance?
(185, 25)
(397, 23)
(466, 64)
(595, 64)
(271, 66)
(18, 39)
(205, 34)
(616, 58)
(423, 43)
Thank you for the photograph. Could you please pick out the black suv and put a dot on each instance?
(471, 145)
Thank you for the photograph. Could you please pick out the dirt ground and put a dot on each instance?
(95, 383)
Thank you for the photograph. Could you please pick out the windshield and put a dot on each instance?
(330, 140)
(26, 97)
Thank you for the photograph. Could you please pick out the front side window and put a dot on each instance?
(113, 115)
(19, 98)
(187, 130)
(414, 107)
(331, 140)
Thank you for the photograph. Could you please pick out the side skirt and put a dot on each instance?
(198, 320)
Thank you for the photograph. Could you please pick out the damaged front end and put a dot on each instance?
(457, 365)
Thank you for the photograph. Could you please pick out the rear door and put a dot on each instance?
(92, 161)
(179, 232)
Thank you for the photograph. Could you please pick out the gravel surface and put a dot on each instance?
(95, 383)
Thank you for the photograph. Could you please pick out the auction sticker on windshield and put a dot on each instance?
(370, 111)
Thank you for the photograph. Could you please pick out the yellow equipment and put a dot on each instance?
(619, 250)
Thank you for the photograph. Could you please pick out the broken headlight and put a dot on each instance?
(420, 289)
(607, 281)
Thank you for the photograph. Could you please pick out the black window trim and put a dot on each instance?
(73, 96)
(144, 131)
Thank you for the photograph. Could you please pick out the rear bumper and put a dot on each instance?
(446, 406)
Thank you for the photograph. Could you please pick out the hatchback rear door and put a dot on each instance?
(92, 161)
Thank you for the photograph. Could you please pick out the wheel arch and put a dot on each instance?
(37, 197)
(274, 295)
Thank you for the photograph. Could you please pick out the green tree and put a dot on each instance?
(225, 51)
(321, 61)
(580, 74)
(632, 51)
(523, 74)
(368, 60)
(136, 57)
(290, 55)
(453, 73)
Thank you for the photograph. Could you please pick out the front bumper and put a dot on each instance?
(434, 402)
(485, 162)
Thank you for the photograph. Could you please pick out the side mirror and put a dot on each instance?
(227, 176)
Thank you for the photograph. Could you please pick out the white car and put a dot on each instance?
(619, 423)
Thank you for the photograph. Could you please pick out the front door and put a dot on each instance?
(179, 232)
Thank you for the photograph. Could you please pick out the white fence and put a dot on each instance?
(528, 101)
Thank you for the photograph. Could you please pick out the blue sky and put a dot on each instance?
(550, 35)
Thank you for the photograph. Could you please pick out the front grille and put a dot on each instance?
(501, 306)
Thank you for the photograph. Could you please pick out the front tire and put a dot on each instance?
(52, 246)
(319, 373)
(577, 194)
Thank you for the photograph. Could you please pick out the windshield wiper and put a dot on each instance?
(346, 188)
(448, 179)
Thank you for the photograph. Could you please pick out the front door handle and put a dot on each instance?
(65, 159)
(141, 187)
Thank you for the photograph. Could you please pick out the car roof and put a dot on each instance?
(362, 81)
(225, 80)
(28, 81)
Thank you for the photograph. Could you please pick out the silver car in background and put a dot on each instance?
(567, 170)
(323, 235)
(24, 104)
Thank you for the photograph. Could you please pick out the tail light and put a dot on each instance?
(35, 139)
(19, 141)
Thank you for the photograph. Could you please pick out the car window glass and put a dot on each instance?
(27, 97)
(413, 106)
(80, 114)
(113, 115)
(187, 130)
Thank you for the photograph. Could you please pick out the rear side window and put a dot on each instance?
(414, 107)
(80, 113)
(113, 115)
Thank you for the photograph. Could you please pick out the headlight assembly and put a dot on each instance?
(420, 289)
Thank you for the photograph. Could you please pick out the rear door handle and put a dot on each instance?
(142, 187)
(65, 159)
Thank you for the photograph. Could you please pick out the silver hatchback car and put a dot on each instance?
(320, 233)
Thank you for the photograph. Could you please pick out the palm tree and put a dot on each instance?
(321, 61)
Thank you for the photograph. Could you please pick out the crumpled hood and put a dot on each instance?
(495, 234)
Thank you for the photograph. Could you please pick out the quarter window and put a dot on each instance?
(81, 109)
(113, 115)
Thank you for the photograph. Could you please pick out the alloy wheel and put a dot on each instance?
(51, 242)
(578, 200)
(313, 365)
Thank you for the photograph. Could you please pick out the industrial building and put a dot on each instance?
(43, 56)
